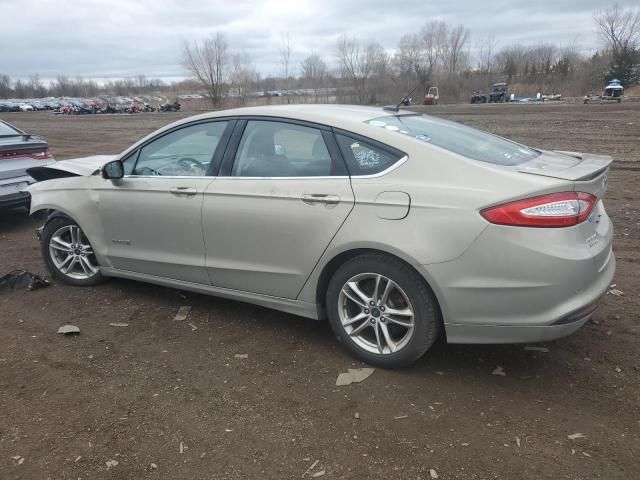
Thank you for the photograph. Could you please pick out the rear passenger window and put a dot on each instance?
(281, 149)
(365, 158)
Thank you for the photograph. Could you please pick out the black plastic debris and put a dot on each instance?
(23, 279)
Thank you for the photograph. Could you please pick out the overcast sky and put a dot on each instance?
(116, 38)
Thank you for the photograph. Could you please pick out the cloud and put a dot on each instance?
(115, 38)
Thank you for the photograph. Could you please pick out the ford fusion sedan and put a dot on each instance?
(398, 227)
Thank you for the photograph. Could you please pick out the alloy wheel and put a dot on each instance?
(376, 313)
(72, 254)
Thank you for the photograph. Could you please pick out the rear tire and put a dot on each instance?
(68, 253)
(382, 311)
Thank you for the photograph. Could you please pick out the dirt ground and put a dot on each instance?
(170, 400)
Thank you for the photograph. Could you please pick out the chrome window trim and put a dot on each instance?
(389, 169)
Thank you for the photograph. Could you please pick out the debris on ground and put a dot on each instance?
(614, 291)
(354, 375)
(193, 327)
(318, 474)
(154, 466)
(313, 465)
(23, 279)
(356, 415)
(537, 349)
(518, 441)
(181, 447)
(618, 369)
(182, 313)
(575, 436)
(111, 463)
(433, 473)
(118, 324)
(69, 330)
(499, 371)
(241, 355)
(18, 459)
(400, 417)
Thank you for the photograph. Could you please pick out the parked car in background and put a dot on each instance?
(499, 93)
(9, 107)
(18, 152)
(25, 107)
(478, 97)
(398, 226)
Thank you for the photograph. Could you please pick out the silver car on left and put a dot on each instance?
(19, 151)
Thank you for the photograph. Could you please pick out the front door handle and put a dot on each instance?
(183, 191)
(312, 199)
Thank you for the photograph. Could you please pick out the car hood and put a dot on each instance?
(85, 166)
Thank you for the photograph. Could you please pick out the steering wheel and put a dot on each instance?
(191, 162)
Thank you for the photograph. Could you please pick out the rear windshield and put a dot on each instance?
(457, 138)
(7, 130)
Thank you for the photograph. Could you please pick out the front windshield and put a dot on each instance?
(457, 138)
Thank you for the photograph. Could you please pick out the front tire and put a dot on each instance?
(68, 253)
(382, 311)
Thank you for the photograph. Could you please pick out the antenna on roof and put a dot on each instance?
(396, 108)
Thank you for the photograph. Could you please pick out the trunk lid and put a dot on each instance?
(587, 171)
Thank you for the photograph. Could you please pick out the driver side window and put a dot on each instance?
(184, 152)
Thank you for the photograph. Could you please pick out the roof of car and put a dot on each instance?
(331, 114)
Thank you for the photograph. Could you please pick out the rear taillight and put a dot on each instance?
(553, 210)
(35, 153)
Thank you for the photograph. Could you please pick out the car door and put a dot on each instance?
(152, 218)
(282, 195)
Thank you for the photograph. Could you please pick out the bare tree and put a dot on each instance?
(285, 58)
(434, 38)
(313, 70)
(242, 75)
(358, 62)
(620, 31)
(486, 48)
(5, 86)
(208, 63)
(410, 59)
(454, 50)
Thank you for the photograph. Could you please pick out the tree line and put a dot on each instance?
(358, 71)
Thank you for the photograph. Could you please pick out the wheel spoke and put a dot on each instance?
(387, 338)
(59, 247)
(58, 243)
(405, 312)
(376, 290)
(347, 293)
(387, 291)
(376, 329)
(402, 323)
(71, 266)
(89, 265)
(74, 234)
(357, 318)
(65, 261)
(84, 266)
(356, 289)
(360, 328)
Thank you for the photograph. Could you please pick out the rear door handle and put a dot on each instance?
(312, 199)
(183, 191)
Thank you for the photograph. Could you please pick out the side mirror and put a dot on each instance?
(113, 170)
